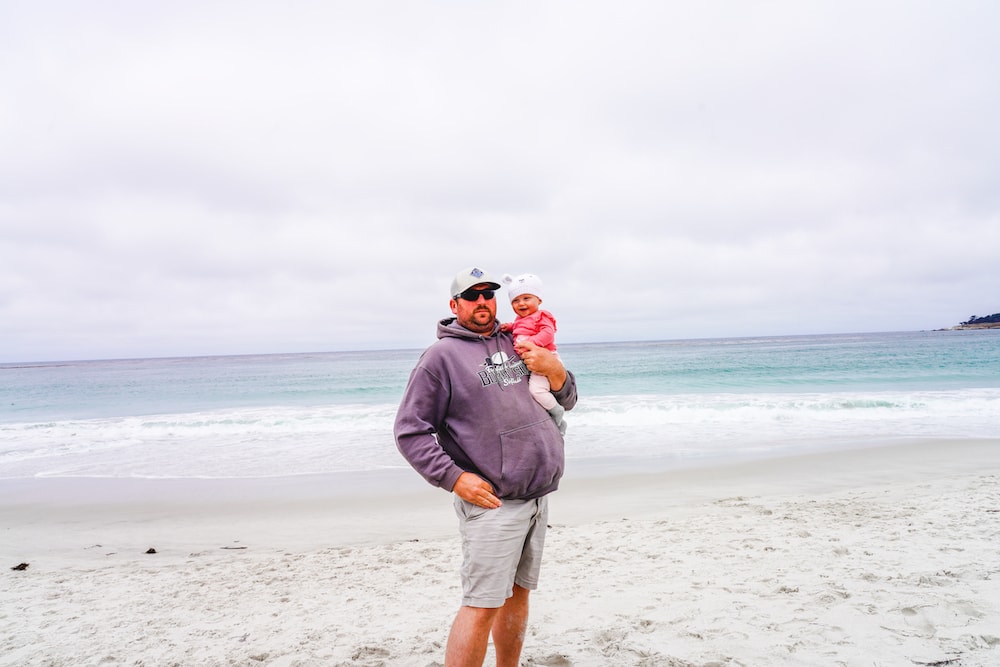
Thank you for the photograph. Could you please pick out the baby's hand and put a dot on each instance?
(507, 326)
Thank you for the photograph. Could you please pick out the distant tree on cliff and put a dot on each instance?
(988, 319)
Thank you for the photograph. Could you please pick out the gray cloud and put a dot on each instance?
(203, 178)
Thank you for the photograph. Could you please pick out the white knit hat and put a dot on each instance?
(526, 283)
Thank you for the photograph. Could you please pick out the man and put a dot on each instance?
(469, 425)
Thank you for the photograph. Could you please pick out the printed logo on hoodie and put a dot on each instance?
(501, 369)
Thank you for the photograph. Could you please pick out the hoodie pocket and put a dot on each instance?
(531, 459)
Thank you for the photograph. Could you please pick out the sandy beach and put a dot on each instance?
(877, 556)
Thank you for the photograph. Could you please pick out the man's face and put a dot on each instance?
(479, 315)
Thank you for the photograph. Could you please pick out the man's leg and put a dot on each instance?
(469, 637)
(489, 541)
(470, 634)
(509, 628)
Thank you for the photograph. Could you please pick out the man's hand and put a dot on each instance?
(476, 490)
(543, 362)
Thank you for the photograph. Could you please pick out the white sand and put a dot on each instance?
(883, 556)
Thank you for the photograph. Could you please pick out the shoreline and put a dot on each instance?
(377, 507)
(881, 555)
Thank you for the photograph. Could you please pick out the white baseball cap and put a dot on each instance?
(471, 277)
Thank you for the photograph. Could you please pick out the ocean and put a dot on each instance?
(660, 404)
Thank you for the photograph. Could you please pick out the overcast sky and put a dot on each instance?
(185, 178)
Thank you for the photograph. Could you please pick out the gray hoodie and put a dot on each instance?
(467, 408)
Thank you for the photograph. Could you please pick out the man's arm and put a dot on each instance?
(415, 430)
(543, 362)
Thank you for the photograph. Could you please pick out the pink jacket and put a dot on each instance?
(539, 328)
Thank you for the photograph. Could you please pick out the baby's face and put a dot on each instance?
(526, 304)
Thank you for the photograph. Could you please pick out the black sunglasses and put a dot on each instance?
(474, 294)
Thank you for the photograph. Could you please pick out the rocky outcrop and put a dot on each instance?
(986, 325)
(975, 322)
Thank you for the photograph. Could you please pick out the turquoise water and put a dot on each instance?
(890, 361)
(129, 387)
(668, 403)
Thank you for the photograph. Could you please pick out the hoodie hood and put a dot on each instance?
(450, 328)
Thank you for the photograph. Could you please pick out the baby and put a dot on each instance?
(538, 326)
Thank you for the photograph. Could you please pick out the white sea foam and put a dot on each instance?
(261, 442)
(732, 425)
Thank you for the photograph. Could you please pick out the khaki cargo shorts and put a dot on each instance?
(500, 547)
